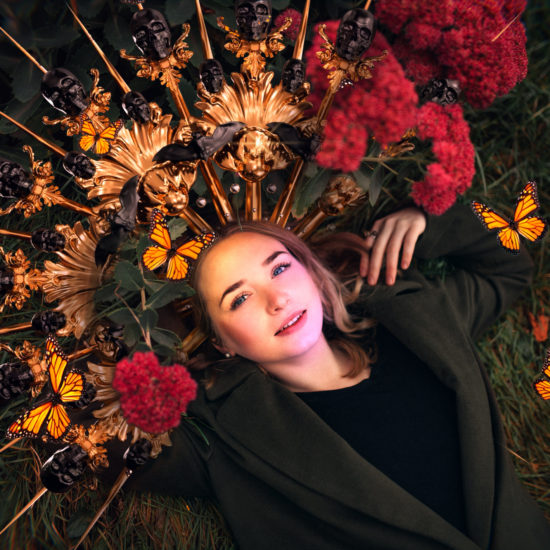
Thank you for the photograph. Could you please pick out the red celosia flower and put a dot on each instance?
(296, 16)
(153, 397)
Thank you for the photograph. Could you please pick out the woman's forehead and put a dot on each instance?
(235, 255)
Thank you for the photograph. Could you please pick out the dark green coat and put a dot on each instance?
(285, 480)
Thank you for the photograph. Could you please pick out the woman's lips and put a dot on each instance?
(296, 326)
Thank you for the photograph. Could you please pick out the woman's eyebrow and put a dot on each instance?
(236, 285)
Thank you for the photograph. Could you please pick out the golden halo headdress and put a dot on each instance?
(139, 175)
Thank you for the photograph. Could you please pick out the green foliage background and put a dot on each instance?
(512, 142)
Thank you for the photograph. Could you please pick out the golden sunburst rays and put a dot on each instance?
(73, 280)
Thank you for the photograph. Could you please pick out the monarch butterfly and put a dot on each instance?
(542, 385)
(49, 418)
(156, 255)
(98, 142)
(530, 227)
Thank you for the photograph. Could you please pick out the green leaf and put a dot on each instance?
(25, 81)
(122, 316)
(280, 4)
(165, 337)
(89, 8)
(375, 187)
(105, 293)
(177, 227)
(178, 12)
(363, 180)
(78, 522)
(163, 351)
(128, 276)
(117, 33)
(169, 292)
(62, 35)
(148, 319)
(132, 333)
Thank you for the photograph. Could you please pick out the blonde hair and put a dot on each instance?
(332, 285)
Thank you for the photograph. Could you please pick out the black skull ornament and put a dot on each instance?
(48, 321)
(136, 107)
(355, 34)
(293, 75)
(138, 453)
(63, 91)
(60, 472)
(15, 379)
(441, 90)
(151, 34)
(14, 181)
(253, 18)
(211, 75)
(78, 165)
(47, 240)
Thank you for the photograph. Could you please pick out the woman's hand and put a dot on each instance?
(388, 236)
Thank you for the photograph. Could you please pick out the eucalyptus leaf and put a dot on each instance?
(168, 293)
(148, 319)
(122, 316)
(128, 276)
(363, 180)
(165, 337)
(105, 293)
(177, 227)
(132, 334)
(163, 351)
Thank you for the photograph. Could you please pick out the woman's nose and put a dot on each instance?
(277, 300)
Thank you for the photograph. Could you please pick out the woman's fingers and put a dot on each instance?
(391, 237)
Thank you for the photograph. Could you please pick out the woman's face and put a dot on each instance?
(253, 287)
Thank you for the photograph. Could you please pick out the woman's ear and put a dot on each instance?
(221, 348)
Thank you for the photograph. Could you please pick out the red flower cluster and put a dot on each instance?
(456, 39)
(451, 145)
(153, 397)
(292, 31)
(383, 106)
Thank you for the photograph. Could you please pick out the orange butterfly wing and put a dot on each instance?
(530, 227)
(490, 219)
(154, 256)
(541, 385)
(98, 142)
(58, 422)
(178, 266)
(509, 238)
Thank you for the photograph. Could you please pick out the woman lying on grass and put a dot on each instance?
(353, 420)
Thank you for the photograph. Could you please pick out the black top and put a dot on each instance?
(403, 421)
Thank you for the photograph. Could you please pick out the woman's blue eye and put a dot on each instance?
(238, 301)
(278, 267)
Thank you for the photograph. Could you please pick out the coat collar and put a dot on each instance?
(242, 418)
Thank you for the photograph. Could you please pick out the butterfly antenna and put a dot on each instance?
(30, 504)
(24, 50)
(111, 68)
(120, 481)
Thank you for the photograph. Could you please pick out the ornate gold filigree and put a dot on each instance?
(25, 279)
(42, 194)
(99, 101)
(90, 440)
(402, 146)
(32, 355)
(164, 186)
(74, 279)
(341, 192)
(111, 419)
(254, 150)
(254, 52)
(167, 69)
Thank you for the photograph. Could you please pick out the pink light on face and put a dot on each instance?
(252, 287)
